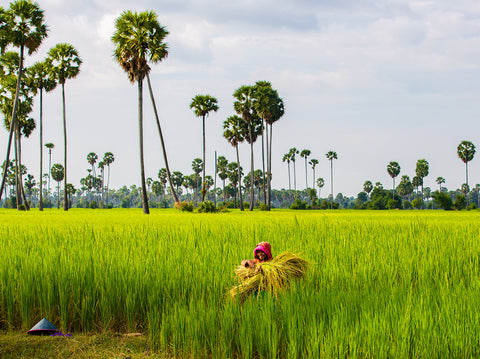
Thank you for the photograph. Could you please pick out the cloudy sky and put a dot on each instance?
(376, 81)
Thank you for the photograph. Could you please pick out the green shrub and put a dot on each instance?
(442, 200)
(93, 205)
(207, 207)
(460, 203)
(299, 204)
(472, 206)
(186, 206)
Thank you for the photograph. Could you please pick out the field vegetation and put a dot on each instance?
(381, 284)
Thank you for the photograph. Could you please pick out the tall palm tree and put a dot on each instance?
(304, 154)
(138, 38)
(393, 170)
(422, 171)
(293, 153)
(202, 106)
(331, 155)
(58, 174)
(108, 158)
(21, 26)
(92, 159)
(232, 131)
(41, 80)
(64, 63)
(368, 187)
(50, 146)
(313, 162)
(286, 158)
(466, 152)
(222, 164)
(270, 108)
(439, 181)
(320, 184)
(197, 166)
(244, 106)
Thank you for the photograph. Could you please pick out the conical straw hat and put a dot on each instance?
(43, 327)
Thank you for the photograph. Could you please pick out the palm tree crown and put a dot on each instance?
(139, 39)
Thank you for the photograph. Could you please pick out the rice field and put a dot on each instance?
(381, 284)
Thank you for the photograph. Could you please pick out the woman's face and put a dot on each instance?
(262, 256)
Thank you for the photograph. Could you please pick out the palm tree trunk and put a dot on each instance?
(466, 178)
(252, 196)
(65, 199)
(203, 164)
(172, 189)
(289, 182)
(263, 165)
(15, 124)
(295, 179)
(17, 168)
(306, 177)
(313, 186)
(215, 182)
(331, 179)
(40, 203)
(58, 195)
(140, 137)
(269, 168)
(20, 183)
(49, 168)
(239, 179)
(7, 160)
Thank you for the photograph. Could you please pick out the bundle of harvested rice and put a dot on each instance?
(273, 276)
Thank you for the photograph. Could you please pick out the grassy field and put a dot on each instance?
(382, 284)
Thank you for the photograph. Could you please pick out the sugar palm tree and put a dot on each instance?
(21, 26)
(466, 152)
(244, 106)
(64, 63)
(232, 131)
(41, 80)
(138, 38)
(439, 181)
(304, 154)
(92, 159)
(270, 108)
(368, 187)
(50, 146)
(58, 175)
(293, 153)
(222, 164)
(313, 162)
(108, 159)
(320, 184)
(202, 106)
(393, 170)
(197, 166)
(421, 171)
(331, 155)
(286, 158)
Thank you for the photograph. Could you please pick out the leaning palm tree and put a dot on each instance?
(64, 63)
(138, 38)
(331, 155)
(304, 154)
(393, 170)
(21, 26)
(244, 106)
(233, 133)
(466, 152)
(41, 80)
(203, 105)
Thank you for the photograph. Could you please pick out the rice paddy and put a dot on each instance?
(379, 284)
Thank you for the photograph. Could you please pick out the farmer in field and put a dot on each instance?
(261, 253)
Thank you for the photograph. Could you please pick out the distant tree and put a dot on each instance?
(293, 153)
(58, 175)
(234, 175)
(320, 184)
(92, 159)
(222, 164)
(29, 184)
(197, 167)
(466, 152)
(50, 146)
(202, 106)
(313, 162)
(405, 187)
(439, 181)
(232, 132)
(393, 170)
(286, 158)
(422, 171)
(108, 159)
(177, 179)
(331, 155)
(368, 187)
(304, 154)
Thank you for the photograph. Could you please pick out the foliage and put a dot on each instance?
(299, 204)
(460, 202)
(185, 206)
(207, 207)
(442, 200)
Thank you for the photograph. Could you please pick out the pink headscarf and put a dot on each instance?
(265, 248)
